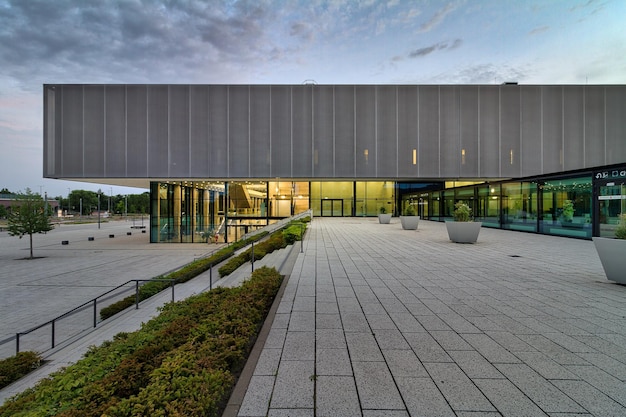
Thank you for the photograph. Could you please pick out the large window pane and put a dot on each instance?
(519, 206)
(566, 207)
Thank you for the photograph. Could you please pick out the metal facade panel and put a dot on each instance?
(386, 132)
(260, 132)
(49, 131)
(469, 131)
(449, 133)
(72, 151)
(239, 131)
(218, 131)
(178, 132)
(595, 127)
(552, 129)
(137, 131)
(281, 131)
(115, 131)
(573, 127)
(302, 131)
(616, 127)
(323, 132)
(199, 131)
(365, 129)
(407, 131)
(93, 131)
(428, 140)
(510, 116)
(158, 146)
(531, 121)
(345, 141)
(489, 131)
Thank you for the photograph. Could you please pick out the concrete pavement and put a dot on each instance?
(379, 321)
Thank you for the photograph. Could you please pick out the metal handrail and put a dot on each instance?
(93, 301)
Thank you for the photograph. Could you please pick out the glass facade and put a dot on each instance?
(581, 206)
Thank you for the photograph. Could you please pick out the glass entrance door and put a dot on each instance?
(332, 207)
(612, 203)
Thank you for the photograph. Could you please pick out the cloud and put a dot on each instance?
(438, 17)
(439, 46)
(539, 30)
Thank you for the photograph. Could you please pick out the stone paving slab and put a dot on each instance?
(407, 323)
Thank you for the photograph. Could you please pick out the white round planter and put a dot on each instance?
(463, 232)
(612, 254)
(384, 218)
(409, 222)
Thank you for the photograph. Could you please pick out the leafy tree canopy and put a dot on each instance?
(28, 216)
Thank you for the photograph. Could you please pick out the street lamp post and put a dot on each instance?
(99, 192)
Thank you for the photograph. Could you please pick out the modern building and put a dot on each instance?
(227, 158)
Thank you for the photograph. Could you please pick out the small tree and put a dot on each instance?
(28, 216)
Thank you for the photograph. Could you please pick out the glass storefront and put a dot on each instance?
(579, 206)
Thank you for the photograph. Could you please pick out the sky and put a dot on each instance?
(286, 42)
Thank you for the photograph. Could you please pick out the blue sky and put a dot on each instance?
(287, 42)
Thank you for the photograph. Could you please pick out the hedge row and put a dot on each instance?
(15, 367)
(278, 240)
(184, 274)
(183, 362)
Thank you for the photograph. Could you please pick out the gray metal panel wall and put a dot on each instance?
(115, 131)
(510, 115)
(531, 130)
(330, 132)
(218, 131)
(573, 127)
(302, 131)
(199, 131)
(281, 131)
(260, 134)
(345, 140)
(428, 140)
(449, 136)
(616, 127)
(387, 132)
(238, 132)
(365, 131)
(469, 131)
(489, 133)
(323, 132)
(136, 131)
(407, 131)
(158, 135)
(595, 126)
(552, 99)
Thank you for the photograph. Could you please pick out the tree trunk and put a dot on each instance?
(31, 245)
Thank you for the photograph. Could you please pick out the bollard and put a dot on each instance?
(90, 238)
(111, 236)
(129, 233)
(65, 242)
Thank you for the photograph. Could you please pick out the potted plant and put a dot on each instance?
(383, 217)
(409, 219)
(611, 253)
(463, 229)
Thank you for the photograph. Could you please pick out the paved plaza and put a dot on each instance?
(378, 321)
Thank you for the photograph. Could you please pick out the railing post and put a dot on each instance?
(95, 320)
(252, 256)
(301, 238)
(136, 294)
(17, 343)
(52, 334)
(210, 277)
(173, 285)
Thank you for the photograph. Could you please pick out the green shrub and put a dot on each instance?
(462, 212)
(15, 367)
(183, 362)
